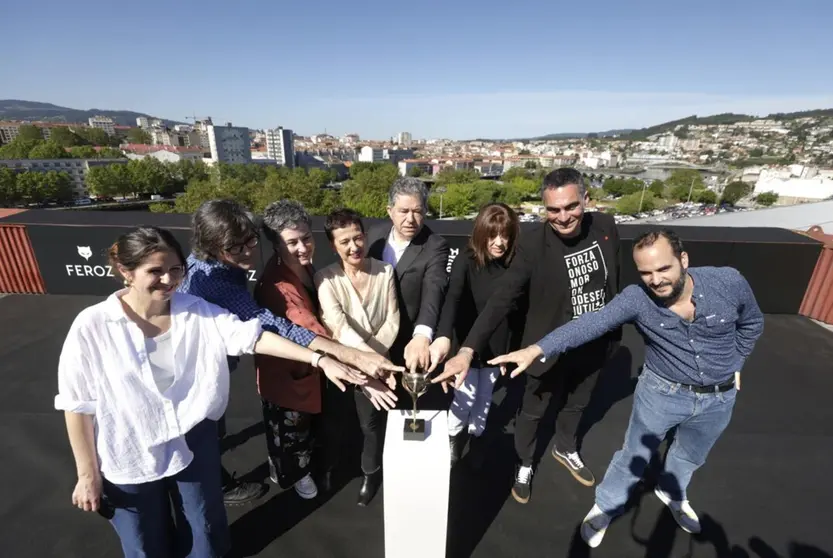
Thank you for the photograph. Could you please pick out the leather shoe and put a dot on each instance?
(325, 481)
(370, 485)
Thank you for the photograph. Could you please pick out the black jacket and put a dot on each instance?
(539, 270)
(469, 291)
(421, 281)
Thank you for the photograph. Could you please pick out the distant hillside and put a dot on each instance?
(725, 118)
(13, 109)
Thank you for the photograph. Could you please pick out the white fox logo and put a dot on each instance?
(85, 252)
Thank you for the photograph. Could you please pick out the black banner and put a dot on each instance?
(73, 259)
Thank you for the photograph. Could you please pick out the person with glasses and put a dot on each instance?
(223, 259)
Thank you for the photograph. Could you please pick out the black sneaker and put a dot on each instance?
(237, 493)
(523, 484)
(572, 461)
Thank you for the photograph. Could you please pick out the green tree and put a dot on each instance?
(109, 153)
(596, 194)
(757, 152)
(83, 152)
(64, 137)
(186, 170)
(657, 188)
(30, 186)
(94, 136)
(137, 135)
(415, 171)
(622, 187)
(630, 204)
(735, 191)
(527, 188)
(532, 165)
(48, 150)
(514, 173)
(459, 200)
(766, 198)
(705, 196)
(8, 187)
(683, 181)
(456, 176)
(27, 132)
(150, 176)
(19, 148)
(56, 186)
(110, 181)
(367, 189)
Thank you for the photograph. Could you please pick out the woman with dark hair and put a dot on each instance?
(142, 379)
(360, 308)
(474, 275)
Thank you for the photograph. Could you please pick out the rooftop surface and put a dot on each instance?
(764, 492)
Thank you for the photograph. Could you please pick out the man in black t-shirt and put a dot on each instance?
(568, 266)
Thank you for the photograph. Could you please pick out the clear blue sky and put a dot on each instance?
(456, 69)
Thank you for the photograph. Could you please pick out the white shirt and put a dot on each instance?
(104, 370)
(161, 358)
(392, 253)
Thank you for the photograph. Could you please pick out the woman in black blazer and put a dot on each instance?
(474, 274)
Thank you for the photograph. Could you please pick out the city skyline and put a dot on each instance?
(534, 70)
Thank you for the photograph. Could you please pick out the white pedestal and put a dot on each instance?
(416, 477)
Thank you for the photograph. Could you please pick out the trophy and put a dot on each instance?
(415, 383)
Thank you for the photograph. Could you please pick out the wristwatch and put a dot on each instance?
(316, 359)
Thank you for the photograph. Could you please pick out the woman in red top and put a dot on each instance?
(293, 398)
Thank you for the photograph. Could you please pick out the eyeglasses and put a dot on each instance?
(237, 249)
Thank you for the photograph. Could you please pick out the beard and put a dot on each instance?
(672, 297)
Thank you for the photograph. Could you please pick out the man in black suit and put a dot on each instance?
(568, 265)
(419, 258)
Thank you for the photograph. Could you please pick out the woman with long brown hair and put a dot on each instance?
(474, 274)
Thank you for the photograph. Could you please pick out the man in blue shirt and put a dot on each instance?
(224, 256)
(700, 325)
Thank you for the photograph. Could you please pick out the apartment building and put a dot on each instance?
(77, 169)
(229, 144)
(103, 123)
(280, 146)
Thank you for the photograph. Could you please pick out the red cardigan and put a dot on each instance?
(288, 383)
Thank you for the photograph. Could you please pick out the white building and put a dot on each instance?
(280, 146)
(799, 188)
(404, 139)
(104, 123)
(77, 169)
(370, 154)
(143, 122)
(229, 144)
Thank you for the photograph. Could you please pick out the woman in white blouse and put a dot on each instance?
(142, 377)
(359, 306)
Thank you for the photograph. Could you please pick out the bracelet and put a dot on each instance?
(316, 359)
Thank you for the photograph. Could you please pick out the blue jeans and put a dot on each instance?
(659, 406)
(142, 513)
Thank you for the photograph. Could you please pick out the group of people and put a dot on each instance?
(144, 375)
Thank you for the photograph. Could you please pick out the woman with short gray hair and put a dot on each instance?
(291, 392)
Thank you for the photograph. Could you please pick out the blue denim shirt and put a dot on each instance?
(226, 287)
(709, 350)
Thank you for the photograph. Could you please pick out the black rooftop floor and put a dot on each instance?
(765, 491)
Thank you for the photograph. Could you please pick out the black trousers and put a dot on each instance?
(569, 383)
(372, 423)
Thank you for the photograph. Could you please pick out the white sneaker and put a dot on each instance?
(682, 512)
(594, 526)
(306, 488)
